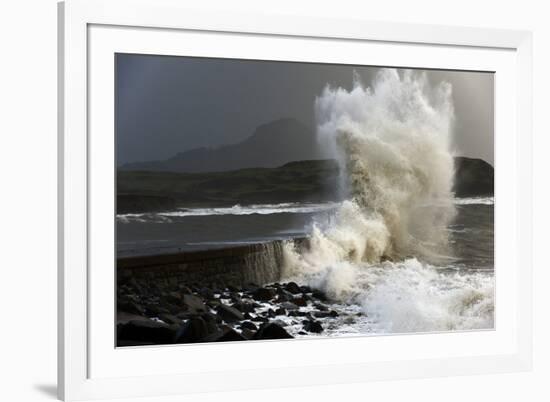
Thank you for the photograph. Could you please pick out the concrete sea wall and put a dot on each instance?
(259, 263)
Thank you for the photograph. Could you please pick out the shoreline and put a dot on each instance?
(213, 296)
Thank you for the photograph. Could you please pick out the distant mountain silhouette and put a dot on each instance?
(271, 145)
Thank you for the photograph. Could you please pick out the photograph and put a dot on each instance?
(260, 200)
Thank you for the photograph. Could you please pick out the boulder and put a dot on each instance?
(244, 307)
(193, 304)
(293, 288)
(146, 331)
(264, 294)
(272, 331)
(194, 330)
(313, 326)
(229, 314)
(289, 306)
(249, 325)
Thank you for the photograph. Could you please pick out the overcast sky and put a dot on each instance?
(166, 105)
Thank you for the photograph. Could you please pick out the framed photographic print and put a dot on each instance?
(296, 200)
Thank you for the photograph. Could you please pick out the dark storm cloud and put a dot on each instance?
(169, 104)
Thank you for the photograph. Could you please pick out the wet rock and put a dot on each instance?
(313, 326)
(227, 334)
(244, 307)
(264, 294)
(297, 313)
(173, 298)
(293, 288)
(193, 304)
(146, 331)
(206, 293)
(317, 294)
(194, 330)
(284, 296)
(320, 306)
(272, 331)
(248, 333)
(249, 325)
(270, 313)
(229, 314)
(211, 322)
(289, 306)
(280, 311)
(325, 314)
(170, 319)
(131, 305)
(300, 301)
(305, 289)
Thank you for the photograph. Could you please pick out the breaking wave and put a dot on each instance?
(385, 246)
(260, 209)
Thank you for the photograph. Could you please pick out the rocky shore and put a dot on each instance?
(150, 313)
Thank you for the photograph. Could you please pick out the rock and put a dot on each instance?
(247, 333)
(122, 317)
(272, 331)
(297, 313)
(325, 314)
(300, 301)
(280, 323)
(244, 307)
(289, 306)
(264, 294)
(313, 326)
(229, 314)
(194, 330)
(226, 334)
(170, 319)
(317, 294)
(305, 289)
(130, 305)
(211, 322)
(193, 304)
(293, 288)
(173, 298)
(270, 313)
(473, 177)
(284, 296)
(320, 306)
(249, 325)
(206, 293)
(146, 331)
(280, 311)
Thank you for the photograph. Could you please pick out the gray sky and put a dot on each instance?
(167, 105)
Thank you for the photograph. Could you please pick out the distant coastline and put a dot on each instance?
(300, 181)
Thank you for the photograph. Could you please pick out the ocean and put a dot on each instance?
(412, 295)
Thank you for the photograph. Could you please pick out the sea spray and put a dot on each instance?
(392, 142)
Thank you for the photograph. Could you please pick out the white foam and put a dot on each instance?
(259, 209)
(392, 142)
(475, 201)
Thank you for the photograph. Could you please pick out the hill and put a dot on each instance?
(271, 145)
(302, 181)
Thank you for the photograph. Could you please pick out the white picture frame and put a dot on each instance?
(90, 31)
